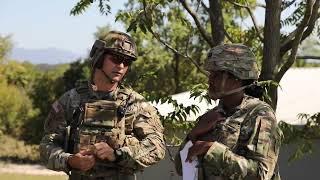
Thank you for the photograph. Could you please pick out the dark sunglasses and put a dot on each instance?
(120, 60)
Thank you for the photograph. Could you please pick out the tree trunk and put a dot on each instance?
(216, 20)
(271, 47)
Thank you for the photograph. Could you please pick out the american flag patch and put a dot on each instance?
(56, 106)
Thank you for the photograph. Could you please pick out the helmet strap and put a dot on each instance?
(223, 93)
(109, 80)
(233, 91)
(106, 77)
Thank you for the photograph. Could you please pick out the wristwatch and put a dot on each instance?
(118, 153)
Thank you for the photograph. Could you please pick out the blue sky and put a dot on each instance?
(41, 24)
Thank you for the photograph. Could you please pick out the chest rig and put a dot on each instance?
(99, 120)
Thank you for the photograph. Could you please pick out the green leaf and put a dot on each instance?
(132, 26)
(143, 28)
(80, 7)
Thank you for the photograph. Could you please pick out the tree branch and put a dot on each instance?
(196, 20)
(311, 9)
(288, 42)
(177, 52)
(204, 6)
(253, 18)
(228, 36)
(289, 38)
(156, 35)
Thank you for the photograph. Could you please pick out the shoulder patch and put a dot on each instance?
(57, 106)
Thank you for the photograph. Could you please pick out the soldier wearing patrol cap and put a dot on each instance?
(239, 138)
(101, 129)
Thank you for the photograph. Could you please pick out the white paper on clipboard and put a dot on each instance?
(189, 170)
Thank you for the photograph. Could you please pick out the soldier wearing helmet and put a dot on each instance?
(102, 129)
(239, 138)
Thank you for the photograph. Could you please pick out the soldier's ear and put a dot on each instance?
(99, 63)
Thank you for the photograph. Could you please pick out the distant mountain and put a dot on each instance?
(44, 56)
(48, 67)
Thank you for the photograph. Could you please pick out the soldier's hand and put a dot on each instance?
(104, 151)
(205, 124)
(198, 148)
(83, 161)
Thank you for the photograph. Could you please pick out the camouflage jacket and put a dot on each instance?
(144, 147)
(246, 145)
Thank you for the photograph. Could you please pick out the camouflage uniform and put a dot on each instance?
(140, 145)
(246, 144)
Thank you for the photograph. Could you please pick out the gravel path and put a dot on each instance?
(27, 169)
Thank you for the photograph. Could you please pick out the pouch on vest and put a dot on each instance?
(101, 123)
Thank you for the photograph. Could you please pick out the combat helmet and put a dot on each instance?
(236, 59)
(116, 43)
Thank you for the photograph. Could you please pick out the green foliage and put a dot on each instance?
(15, 109)
(156, 61)
(15, 106)
(296, 16)
(201, 91)
(13, 150)
(78, 71)
(83, 5)
(48, 86)
(176, 123)
(102, 32)
(266, 85)
(18, 74)
(303, 135)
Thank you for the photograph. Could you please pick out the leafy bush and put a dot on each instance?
(15, 109)
(17, 151)
(304, 136)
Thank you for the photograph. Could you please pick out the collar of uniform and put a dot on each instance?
(221, 108)
(95, 94)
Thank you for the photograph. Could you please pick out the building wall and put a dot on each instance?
(306, 168)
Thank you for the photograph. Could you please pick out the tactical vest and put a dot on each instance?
(100, 121)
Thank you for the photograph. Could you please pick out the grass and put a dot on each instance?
(11, 176)
(16, 151)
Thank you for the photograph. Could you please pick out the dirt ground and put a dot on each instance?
(27, 169)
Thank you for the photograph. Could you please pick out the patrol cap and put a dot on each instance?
(236, 59)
